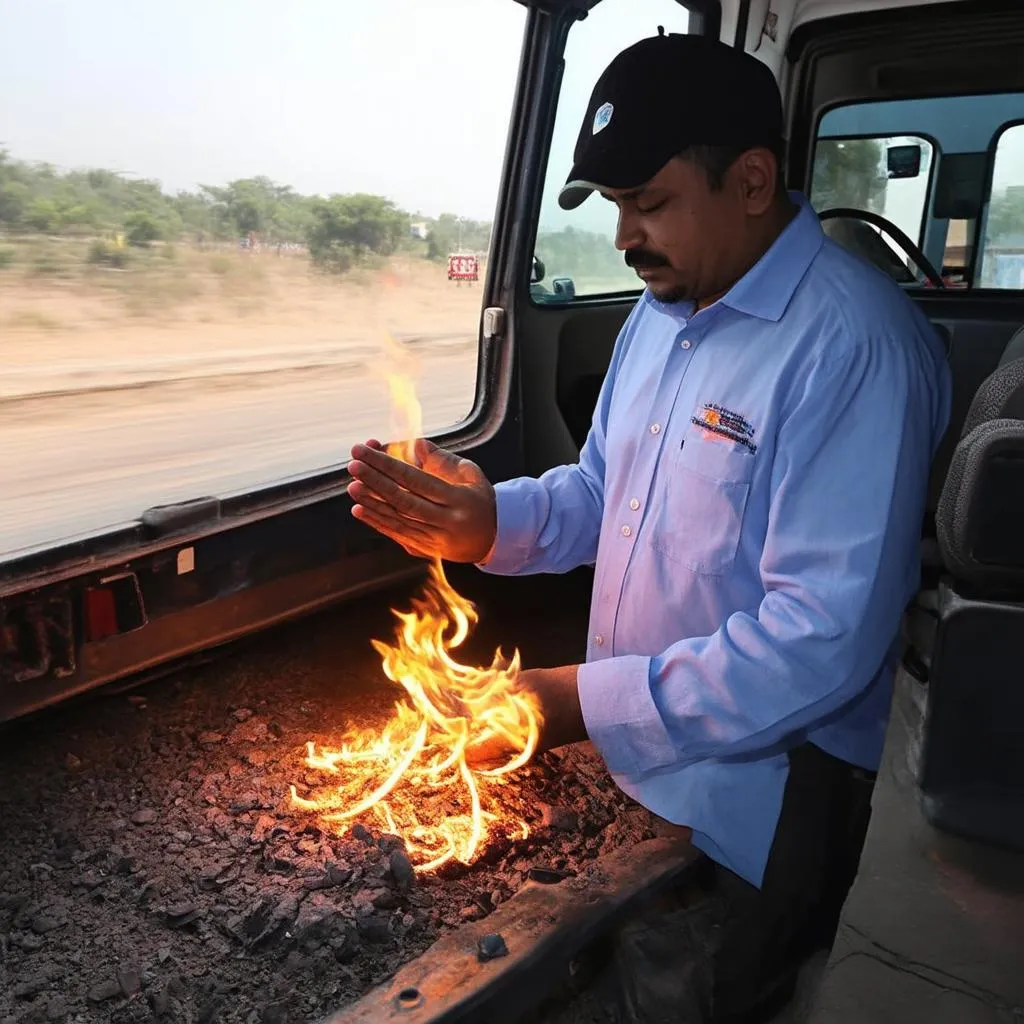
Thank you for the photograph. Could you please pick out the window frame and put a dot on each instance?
(981, 227)
(705, 18)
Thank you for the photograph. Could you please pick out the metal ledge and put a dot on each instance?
(544, 928)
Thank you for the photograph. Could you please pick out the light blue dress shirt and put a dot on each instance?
(751, 494)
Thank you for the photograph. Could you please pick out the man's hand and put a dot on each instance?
(443, 507)
(561, 715)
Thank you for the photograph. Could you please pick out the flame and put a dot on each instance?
(412, 776)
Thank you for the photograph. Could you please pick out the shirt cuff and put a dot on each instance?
(514, 538)
(621, 717)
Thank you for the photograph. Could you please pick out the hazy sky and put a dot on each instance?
(407, 98)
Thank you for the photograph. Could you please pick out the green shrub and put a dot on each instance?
(7, 255)
(141, 228)
(106, 254)
(335, 257)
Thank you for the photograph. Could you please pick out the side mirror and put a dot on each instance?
(537, 271)
(903, 161)
(564, 289)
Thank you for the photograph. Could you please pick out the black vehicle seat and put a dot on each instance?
(971, 654)
(1014, 348)
(930, 559)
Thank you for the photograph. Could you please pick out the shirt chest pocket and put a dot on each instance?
(703, 498)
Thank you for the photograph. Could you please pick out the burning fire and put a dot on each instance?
(413, 776)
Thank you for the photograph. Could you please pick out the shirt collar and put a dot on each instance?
(765, 290)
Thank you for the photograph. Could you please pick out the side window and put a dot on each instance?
(576, 248)
(212, 224)
(888, 176)
(1002, 252)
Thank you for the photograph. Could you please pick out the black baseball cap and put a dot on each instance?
(661, 95)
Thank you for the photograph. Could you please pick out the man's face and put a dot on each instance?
(686, 241)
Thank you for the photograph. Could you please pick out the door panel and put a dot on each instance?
(563, 367)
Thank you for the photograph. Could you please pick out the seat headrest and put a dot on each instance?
(979, 513)
(1000, 397)
(1014, 347)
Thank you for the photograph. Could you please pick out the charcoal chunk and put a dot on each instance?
(387, 843)
(181, 914)
(103, 991)
(401, 869)
(490, 947)
(564, 819)
(546, 876)
(129, 979)
(373, 928)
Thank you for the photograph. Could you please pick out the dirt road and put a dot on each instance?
(78, 463)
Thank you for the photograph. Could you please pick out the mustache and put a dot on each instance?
(639, 258)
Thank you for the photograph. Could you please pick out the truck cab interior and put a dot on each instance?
(905, 128)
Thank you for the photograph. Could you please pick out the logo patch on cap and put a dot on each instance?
(602, 117)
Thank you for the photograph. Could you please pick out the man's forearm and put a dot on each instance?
(550, 524)
(557, 695)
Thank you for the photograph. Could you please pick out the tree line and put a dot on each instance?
(342, 231)
(339, 230)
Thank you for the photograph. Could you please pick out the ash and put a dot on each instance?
(153, 869)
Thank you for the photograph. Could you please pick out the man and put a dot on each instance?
(751, 493)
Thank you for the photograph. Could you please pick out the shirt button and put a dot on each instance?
(634, 504)
(599, 639)
(626, 531)
(655, 428)
(685, 343)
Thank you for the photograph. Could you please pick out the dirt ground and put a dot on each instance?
(206, 374)
(154, 870)
(231, 299)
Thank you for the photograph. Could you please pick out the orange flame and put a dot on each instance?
(413, 776)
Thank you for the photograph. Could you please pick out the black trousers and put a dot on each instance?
(724, 951)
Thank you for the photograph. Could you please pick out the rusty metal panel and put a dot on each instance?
(543, 927)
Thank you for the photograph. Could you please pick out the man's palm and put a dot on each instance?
(442, 507)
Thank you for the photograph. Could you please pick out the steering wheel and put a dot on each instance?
(875, 220)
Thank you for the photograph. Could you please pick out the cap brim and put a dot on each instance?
(582, 178)
(575, 192)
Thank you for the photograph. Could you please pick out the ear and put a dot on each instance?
(758, 173)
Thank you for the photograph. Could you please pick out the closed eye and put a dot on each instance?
(653, 208)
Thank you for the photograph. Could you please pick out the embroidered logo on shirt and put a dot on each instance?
(721, 424)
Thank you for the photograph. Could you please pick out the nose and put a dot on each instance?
(628, 232)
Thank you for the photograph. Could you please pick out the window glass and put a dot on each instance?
(863, 160)
(855, 173)
(213, 218)
(577, 247)
(1002, 262)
